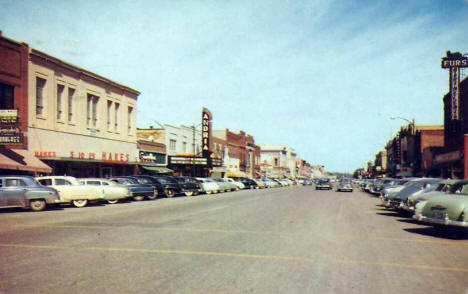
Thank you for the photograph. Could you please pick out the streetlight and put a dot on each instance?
(411, 122)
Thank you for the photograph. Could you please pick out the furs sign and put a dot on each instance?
(206, 132)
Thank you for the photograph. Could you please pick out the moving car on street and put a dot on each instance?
(344, 186)
(25, 191)
(323, 184)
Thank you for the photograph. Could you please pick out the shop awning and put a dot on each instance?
(24, 160)
(157, 169)
(236, 174)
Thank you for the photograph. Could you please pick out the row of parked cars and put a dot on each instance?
(37, 193)
(430, 200)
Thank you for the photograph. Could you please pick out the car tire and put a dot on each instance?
(114, 201)
(189, 194)
(152, 197)
(138, 198)
(170, 193)
(80, 203)
(37, 204)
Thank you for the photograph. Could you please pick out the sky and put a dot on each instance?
(324, 77)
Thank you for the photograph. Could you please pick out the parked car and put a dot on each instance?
(271, 183)
(444, 187)
(415, 187)
(171, 186)
(70, 189)
(190, 187)
(139, 191)
(248, 183)
(323, 184)
(208, 185)
(26, 192)
(149, 180)
(111, 191)
(260, 184)
(445, 210)
(225, 186)
(239, 185)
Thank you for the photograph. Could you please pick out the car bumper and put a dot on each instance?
(439, 221)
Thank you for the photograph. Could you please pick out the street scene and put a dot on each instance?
(285, 240)
(233, 146)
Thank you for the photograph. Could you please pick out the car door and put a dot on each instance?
(13, 192)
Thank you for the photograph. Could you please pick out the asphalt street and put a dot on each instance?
(286, 240)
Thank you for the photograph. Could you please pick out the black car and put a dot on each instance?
(190, 186)
(323, 184)
(169, 184)
(139, 191)
(143, 179)
(248, 183)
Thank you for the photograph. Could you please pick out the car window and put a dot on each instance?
(45, 182)
(105, 183)
(62, 182)
(14, 183)
(93, 183)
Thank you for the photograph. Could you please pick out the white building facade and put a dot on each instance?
(278, 161)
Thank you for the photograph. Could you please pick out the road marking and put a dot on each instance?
(267, 233)
(238, 255)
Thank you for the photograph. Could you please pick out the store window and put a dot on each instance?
(116, 117)
(109, 114)
(172, 145)
(92, 105)
(7, 100)
(129, 119)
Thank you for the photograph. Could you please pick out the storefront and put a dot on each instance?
(188, 165)
(83, 156)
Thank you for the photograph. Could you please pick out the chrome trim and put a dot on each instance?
(439, 221)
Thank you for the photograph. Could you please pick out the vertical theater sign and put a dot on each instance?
(206, 132)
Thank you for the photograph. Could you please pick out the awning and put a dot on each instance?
(157, 169)
(21, 159)
(236, 174)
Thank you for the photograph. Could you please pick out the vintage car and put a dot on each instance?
(445, 210)
(416, 187)
(148, 180)
(239, 185)
(344, 186)
(139, 191)
(25, 191)
(190, 187)
(111, 191)
(224, 186)
(270, 183)
(170, 186)
(260, 184)
(70, 189)
(208, 185)
(323, 184)
(248, 183)
(444, 187)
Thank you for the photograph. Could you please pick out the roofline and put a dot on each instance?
(80, 70)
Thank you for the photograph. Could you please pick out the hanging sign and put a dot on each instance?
(206, 132)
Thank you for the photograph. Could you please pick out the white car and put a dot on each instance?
(111, 191)
(239, 185)
(71, 190)
(209, 185)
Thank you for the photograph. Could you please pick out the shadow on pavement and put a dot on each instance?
(441, 232)
(410, 221)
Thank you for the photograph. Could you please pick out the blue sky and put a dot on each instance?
(321, 76)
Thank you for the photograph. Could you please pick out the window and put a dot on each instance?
(109, 109)
(116, 117)
(14, 183)
(92, 110)
(40, 84)
(62, 182)
(129, 119)
(93, 183)
(59, 101)
(45, 182)
(172, 144)
(184, 147)
(71, 93)
(6, 97)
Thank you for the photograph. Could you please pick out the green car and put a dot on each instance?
(446, 209)
(446, 186)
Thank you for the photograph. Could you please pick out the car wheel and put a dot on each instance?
(188, 194)
(138, 198)
(80, 203)
(170, 193)
(208, 192)
(154, 196)
(114, 201)
(37, 204)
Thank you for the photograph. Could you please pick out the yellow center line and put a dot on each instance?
(266, 233)
(239, 255)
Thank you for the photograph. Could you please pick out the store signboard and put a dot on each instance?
(8, 117)
(206, 132)
(187, 160)
(10, 134)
